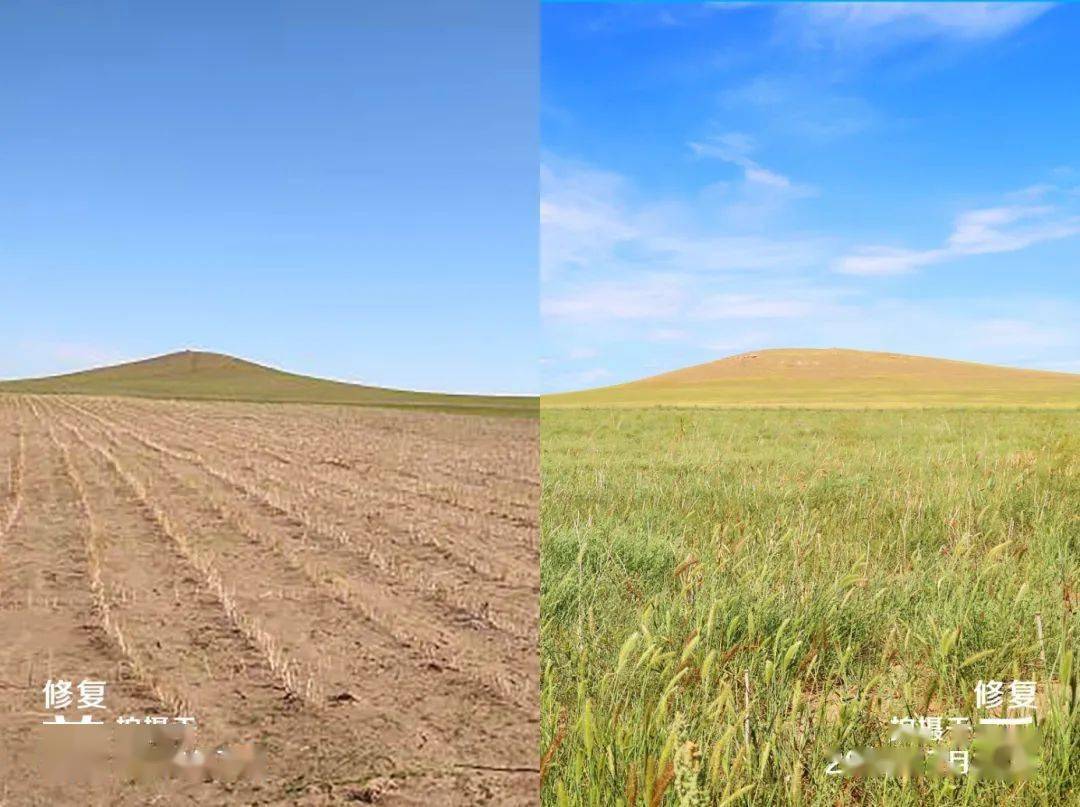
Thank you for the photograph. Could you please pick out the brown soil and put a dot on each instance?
(354, 590)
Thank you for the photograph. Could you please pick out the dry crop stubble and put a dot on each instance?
(420, 624)
(15, 471)
(273, 613)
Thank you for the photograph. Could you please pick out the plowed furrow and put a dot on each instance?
(16, 470)
(249, 525)
(473, 484)
(9, 432)
(50, 630)
(456, 500)
(271, 611)
(204, 648)
(464, 441)
(402, 524)
(415, 563)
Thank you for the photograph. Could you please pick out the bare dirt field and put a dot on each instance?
(354, 590)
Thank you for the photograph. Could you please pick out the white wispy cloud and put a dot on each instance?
(866, 26)
(595, 220)
(647, 297)
(667, 335)
(593, 375)
(1007, 229)
(881, 260)
(982, 231)
(801, 105)
(754, 306)
(762, 189)
(582, 353)
(1012, 333)
(583, 215)
(610, 255)
(672, 299)
(821, 47)
(616, 18)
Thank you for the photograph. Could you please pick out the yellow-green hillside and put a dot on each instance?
(212, 376)
(836, 378)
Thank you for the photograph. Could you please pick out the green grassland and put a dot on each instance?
(800, 577)
(770, 392)
(200, 375)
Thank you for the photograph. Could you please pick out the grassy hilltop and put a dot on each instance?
(201, 375)
(835, 378)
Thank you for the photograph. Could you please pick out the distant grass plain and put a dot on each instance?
(799, 575)
(201, 375)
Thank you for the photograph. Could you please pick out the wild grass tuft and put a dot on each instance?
(727, 596)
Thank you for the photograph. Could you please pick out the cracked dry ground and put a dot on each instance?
(354, 589)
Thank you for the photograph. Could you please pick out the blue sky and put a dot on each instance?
(347, 189)
(717, 179)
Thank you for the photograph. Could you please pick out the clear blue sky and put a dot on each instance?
(718, 179)
(347, 189)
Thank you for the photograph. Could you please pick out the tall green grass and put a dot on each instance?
(727, 596)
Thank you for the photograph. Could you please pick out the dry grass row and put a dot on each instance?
(298, 680)
(113, 627)
(317, 526)
(447, 495)
(444, 596)
(422, 530)
(495, 683)
(16, 476)
(345, 592)
(376, 490)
